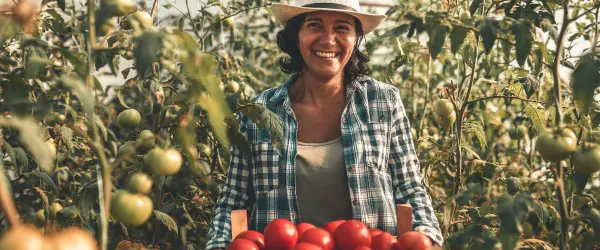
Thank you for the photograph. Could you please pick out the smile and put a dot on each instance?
(326, 54)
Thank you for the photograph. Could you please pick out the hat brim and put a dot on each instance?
(284, 12)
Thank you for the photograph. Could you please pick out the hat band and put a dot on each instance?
(329, 6)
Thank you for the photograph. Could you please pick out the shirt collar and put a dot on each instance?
(282, 92)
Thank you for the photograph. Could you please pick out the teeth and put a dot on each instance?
(325, 54)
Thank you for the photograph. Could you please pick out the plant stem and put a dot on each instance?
(559, 172)
(96, 144)
(459, 121)
(419, 132)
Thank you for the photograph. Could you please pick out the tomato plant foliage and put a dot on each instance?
(505, 72)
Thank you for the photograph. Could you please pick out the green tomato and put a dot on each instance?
(54, 209)
(445, 121)
(443, 107)
(129, 118)
(131, 209)
(145, 140)
(518, 133)
(557, 144)
(139, 183)
(142, 19)
(127, 148)
(163, 162)
(586, 160)
(119, 7)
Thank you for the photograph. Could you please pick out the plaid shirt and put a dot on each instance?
(381, 162)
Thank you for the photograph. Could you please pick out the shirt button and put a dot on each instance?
(344, 120)
(347, 144)
(368, 164)
(352, 169)
(355, 202)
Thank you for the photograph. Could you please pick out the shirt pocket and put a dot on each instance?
(375, 136)
(265, 166)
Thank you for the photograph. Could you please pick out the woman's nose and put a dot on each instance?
(327, 38)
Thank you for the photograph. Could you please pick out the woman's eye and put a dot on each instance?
(313, 25)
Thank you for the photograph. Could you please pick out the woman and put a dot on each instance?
(347, 150)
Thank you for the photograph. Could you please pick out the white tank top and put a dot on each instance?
(322, 183)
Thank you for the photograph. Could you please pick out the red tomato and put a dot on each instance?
(383, 241)
(374, 231)
(242, 244)
(253, 236)
(307, 246)
(362, 248)
(413, 241)
(352, 234)
(280, 234)
(333, 225)
(302, 227)
(319, 237)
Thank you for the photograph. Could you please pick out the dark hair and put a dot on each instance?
(287, 40)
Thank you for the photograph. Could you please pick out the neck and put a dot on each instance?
(314, 89)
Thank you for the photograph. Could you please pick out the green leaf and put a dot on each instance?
(437, 39)
(474, 6)
(10, 152)
(66, 135)
(75, 84)
(61, 4)
(102, 60)
(586, 79)
(589, 241)
(513, 185)
(457, 37)
(166, 220)
(523, 32)
(35, 65)
(102, 128)
(536, 113)
(185, 40)
(476, 130)
(546, 25)
(148, 45)
(266, 119)
(488, 29)
(45, 178)
(87, 198)
(203, 87)
(22, 161)
(30, 137)
(396, 32)
(517, 90)
(8, 28)
(581, 181)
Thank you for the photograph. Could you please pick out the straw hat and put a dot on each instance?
(284, 12)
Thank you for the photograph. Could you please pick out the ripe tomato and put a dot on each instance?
(374, 232)
(307, 246)
(362, 248)
(302, 227)
(319, 237)
(413, 241)
(254, 236)
(280, 234)
(383, 241)
(352, 234)
(242, 244)
(333, 225)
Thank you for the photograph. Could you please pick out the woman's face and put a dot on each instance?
(326, 40)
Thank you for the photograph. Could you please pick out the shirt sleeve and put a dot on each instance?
(406, 175)
(233, 196)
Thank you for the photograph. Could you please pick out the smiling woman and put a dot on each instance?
(347, 151)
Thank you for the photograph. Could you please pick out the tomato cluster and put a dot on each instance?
(282, 234)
